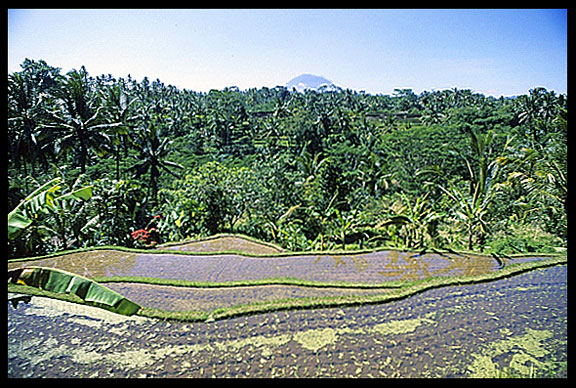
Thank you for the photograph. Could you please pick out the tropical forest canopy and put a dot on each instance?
(105, 161)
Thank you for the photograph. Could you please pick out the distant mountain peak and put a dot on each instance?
(309, 81)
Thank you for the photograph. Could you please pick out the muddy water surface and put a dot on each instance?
(372, 268)
(207, 299)
(103, 263)
(510, 327)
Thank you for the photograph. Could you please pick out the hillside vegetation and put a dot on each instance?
(119, 162)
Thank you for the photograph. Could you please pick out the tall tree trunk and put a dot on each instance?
(83, 157)
(117, 162)
(470, 234)
(154, 173)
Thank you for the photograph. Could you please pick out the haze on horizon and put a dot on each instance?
(494, 52)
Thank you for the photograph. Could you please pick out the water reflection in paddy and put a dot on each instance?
(376, 267)
(104, 263)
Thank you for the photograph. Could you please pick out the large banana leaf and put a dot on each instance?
(17, 222)
(41, 200)
(85, 193)
(19, 219)
(63, 282)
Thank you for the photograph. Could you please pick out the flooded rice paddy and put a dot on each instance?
(171, 298)
(370, 268)
(513, 327)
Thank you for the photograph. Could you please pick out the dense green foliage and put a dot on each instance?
(314, 170)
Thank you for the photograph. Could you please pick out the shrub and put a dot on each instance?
(525, 238)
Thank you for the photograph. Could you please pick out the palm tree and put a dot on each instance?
(542, 173)
(28, 93)
(323, 216)
(343, 224)
(278, 224)
(22, 120)
(372, 173)
(153, 153)
(120, 110)
(536, 112)
(76, 121)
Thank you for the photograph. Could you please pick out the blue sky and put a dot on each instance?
(495, 52)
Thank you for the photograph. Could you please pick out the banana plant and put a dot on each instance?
(342, 224)
(324, 216)
(471, 210)
(276, 226)
(310, 165)
(415, 221)
(473, 207)
(43, 200)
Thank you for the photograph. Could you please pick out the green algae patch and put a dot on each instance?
(316, 339)
(134, 359)
(526, 353)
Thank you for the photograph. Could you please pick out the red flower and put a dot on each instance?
(140, 234)
(145, 235)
